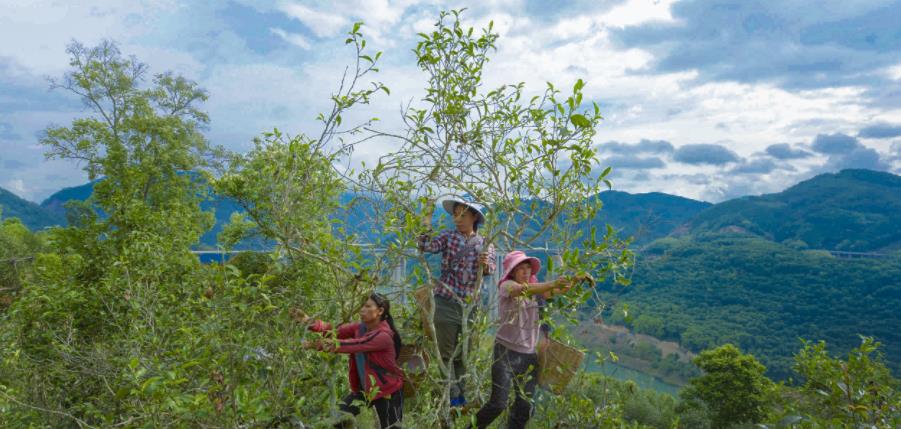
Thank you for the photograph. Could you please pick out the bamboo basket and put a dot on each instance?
(557, 364)
(414, 363)
(423, 298)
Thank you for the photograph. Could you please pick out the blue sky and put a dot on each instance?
(704, 99)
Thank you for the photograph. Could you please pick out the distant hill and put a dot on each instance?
(32, 215)
(714, 288)
(56, 202)
(646, 217)
(853, 210)
(223, 208)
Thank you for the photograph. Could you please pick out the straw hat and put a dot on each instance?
(515, 258)
(450, 203)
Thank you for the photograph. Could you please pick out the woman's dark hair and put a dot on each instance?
(382, 302)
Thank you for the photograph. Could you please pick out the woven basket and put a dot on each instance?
(423, 298)
(557, 364)
(414, 363)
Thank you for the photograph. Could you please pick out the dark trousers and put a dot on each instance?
(518, 371)
(448, 330)
(390, 410)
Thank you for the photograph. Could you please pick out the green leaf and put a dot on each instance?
(580, 121)
(606, 171)
(578, 86)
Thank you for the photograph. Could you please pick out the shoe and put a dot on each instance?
(458, 402)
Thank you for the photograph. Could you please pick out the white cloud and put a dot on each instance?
(292, 38)
(17, 186)
(253, 91)
(36, 32)
(894, 72)
(323, 24)
(634, 12)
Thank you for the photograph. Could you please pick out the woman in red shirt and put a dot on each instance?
(373, 344)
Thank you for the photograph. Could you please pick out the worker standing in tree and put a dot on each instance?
(463, 254)
(515, 361)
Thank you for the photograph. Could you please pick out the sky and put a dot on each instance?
(709, 100)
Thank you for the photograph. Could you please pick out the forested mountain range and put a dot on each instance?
(31, 214)
(743, 271)
(853, 210)
(52, 211)
(643, 216)
(765, 297)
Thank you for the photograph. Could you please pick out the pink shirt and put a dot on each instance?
(518, 323)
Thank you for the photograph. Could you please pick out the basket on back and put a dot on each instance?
(423, 298)
(414, 363)
(557, 364)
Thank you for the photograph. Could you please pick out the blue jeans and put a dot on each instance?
(510, 370)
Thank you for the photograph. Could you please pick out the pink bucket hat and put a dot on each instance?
(513, 259)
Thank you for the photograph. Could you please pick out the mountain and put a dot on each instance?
(32, 215)
(56, 202)
(222, 207)
(709, 289)
(853, 210)
(646, 217)
(735, 272)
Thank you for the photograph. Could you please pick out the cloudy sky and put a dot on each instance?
(704, 99)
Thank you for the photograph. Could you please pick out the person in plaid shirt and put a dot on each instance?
(463, 254)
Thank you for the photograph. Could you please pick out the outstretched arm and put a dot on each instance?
(346, 330)
(430, 244)
(515, 289)
(377, 340)
(547, 289)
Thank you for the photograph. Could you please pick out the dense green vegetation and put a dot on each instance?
(114, 323)
(853, 210)
(762, 296)
(18, 246)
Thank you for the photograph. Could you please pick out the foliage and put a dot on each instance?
(732, 387)
(762, 296)
(18, 246)
(856, 392)
(117, 324)
(144, 142)
(290, 190)
(530, 160)
(110, 291)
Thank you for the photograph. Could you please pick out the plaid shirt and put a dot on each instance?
(459, 261)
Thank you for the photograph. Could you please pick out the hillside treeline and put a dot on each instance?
(765, 297)
(113, 322)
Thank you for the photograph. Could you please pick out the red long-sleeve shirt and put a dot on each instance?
(378, 346)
